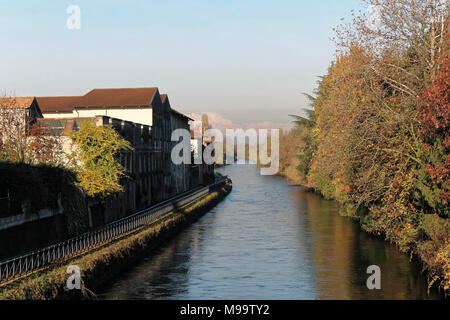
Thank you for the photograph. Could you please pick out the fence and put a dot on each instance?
(26, 263)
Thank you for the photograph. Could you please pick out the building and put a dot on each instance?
(130, 104)
(201, 172)
(180, 174)
(57, 107)
(19, 113)
(135, 105)
(140, 164)
(144, 117)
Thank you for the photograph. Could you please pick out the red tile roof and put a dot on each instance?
(16, 102)
(118, 97)
(57, 104)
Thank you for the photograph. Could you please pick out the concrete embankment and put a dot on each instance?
(103, 264)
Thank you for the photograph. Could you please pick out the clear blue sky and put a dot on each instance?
(247, 60)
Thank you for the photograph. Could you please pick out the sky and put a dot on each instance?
(246, 61)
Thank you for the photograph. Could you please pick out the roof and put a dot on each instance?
(123, 97)
(118, 97)
(57, 104)
(16, 102)
(179, 114)
(165, 98)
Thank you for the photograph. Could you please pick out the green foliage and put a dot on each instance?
(305, 156)
(349, 209)
(436, 229)
(308, 146)
(309, 120)
(100, 171)
(323, 182)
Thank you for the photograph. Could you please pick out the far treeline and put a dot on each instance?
(377, 136)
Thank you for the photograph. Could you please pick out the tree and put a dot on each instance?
(415, 27)
(434, 115)
(306, 136)
(98, 169)
(380, 127)
(22, 140)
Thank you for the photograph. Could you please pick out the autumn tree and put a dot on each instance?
(377, 139)
(401, 53)
(434, 115)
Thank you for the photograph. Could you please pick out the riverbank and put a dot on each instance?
(103, 264)
(430, 247)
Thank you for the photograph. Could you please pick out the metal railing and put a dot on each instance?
(41, 258)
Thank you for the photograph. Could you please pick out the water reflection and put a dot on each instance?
(342, 253)
(268, 240)
(163, 274)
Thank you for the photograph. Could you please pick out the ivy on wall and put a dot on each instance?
(98, 169)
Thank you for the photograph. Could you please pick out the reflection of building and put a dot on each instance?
(140, 115)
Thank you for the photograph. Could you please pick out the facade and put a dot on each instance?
(139, 163)
(135, 105)
(180, 174)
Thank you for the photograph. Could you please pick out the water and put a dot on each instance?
(269, 240)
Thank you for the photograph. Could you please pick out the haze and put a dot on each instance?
(247, 61)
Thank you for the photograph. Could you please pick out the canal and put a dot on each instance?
(270, 240)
